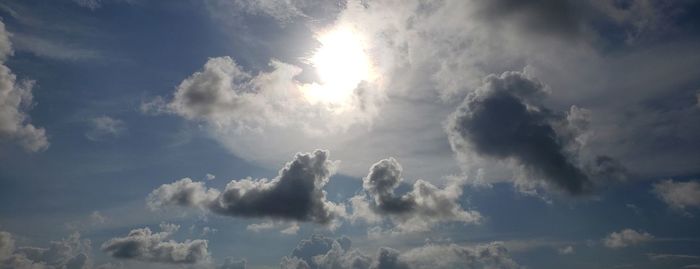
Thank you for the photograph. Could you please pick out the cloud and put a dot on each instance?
(296, 194)
(678, 195)
(550, 17)
(626, 238)
(417, 210)
(233, 264)
(69, 253)
(503, 120)
(282, 11)
(53, 49)
(226, 96)
(287, 228)
(429, 54)
(93, 220)
(104, 127)
(666, 256)
(315, 252)
(323, 252)
(146, 246)
(566, 250)
(15, 99)
(96, 4)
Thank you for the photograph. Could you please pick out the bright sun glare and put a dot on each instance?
(341, 63)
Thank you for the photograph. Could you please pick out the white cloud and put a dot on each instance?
(626, 238)
(15, 99)
(424, 206)
(678, 195)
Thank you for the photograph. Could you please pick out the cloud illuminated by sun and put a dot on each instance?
(341, 63)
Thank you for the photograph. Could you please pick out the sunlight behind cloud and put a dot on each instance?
(341, 63)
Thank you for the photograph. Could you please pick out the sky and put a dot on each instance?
(331, 134)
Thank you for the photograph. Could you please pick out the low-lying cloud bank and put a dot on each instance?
(322, 252)
(70, 253)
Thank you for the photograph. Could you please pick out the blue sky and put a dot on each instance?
(271, 134)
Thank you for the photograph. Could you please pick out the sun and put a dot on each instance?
(341, 63)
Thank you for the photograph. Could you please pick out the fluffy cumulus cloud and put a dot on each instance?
(296, 194)
(678, 195)
(626, 238)
(147, 246)
(70, 253)
(417, 210)
(323, 252)
(504, 120)
(15, 99)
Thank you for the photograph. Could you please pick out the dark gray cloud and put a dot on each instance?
(504, 120)
(552, 17)
(69, 253)
(417, 210)
(147, 246)
(15, 99)
(296, 194)
(388, 258)
(383, 178)
(327, 253)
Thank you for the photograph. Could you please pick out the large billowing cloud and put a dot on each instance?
(226, 96)
(69, 253)
(322, 252)
(147, 246)
(678, 195)
(504, 120)
(431, 54)
(15, 99)
(417, 210)
(296, 194)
